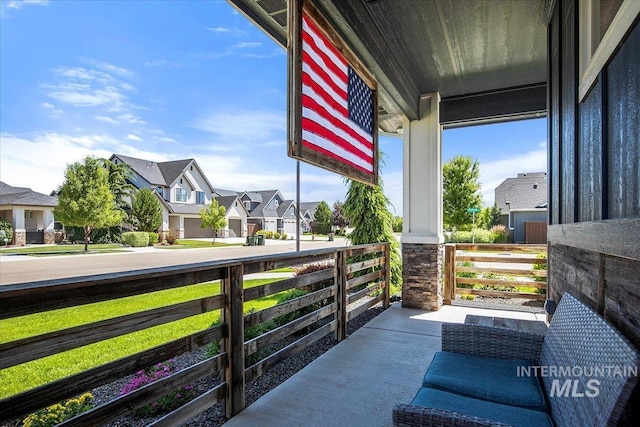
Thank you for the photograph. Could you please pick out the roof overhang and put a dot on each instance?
(486, 58)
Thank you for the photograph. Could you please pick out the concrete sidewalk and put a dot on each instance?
(358, 382)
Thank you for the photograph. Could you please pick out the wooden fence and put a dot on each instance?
(491, 268)
(352, 272)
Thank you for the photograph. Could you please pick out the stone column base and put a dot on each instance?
(19, 238)
(422, 275)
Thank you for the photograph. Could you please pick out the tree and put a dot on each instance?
(461, 185)
(366, 207)
(146, 211)
(119, 181)
(322, 218)
(339, 219)
(85, 198)
(397, 224)
(213, 217)
(488, 217)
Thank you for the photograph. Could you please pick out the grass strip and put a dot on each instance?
(22, 377)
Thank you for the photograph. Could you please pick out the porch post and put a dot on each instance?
(422, 237)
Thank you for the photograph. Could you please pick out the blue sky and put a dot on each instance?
(168, 80)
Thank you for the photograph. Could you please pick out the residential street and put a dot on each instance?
(21, 268)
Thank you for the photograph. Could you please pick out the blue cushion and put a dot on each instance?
(496, 380)
(512, 415)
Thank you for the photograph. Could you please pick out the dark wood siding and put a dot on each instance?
(594, 181)
(590, 159)
(554, 205)
(568, 114)
(624, 129)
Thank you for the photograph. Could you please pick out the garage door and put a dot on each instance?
(192, 229)
(290, 227)
(235, 228)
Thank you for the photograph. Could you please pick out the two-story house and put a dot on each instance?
(183, 190)
(307, 215)
(268, 210)
(523, 204)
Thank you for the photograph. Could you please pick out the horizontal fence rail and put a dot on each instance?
(495, 270)
(347, 282)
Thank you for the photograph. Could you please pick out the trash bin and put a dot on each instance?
(251, 240)
(330, 236)
(260, 240)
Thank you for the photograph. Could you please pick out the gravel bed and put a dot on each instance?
(275, 376)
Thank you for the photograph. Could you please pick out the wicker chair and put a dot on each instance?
(576, 338)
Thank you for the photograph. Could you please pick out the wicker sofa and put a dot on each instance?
(581, 373)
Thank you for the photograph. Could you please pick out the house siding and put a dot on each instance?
(594, 191)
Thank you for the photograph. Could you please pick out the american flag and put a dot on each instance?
(337, 105)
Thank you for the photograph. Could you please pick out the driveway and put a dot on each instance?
(22, 269)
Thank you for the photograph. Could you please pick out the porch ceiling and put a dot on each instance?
(461, 49)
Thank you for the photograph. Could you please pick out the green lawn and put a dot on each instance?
(32, 374)
(64, 249)
(195, 244)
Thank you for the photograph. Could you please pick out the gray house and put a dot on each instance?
(30, 214)
(523, 203)
(268, 210)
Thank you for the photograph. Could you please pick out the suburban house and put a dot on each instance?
(30, 214)
(523, 204)
(183, 190)
(307, 215)
(268, 210)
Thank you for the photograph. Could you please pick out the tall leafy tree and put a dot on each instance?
(146, 211)
(461, 190)
(339, 219)
(322, 218)
(366, 207)
(85, 198)
(213, 217)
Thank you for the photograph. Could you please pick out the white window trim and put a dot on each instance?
(590, 62)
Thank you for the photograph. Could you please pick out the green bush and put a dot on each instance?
(171, 239)
(290, 317)
(268, 234)
(276, 236)
(283, 236)
(136, 239)
(500, 233)
(481, 236)
(5, 225)
(153, 238)
(55, 414)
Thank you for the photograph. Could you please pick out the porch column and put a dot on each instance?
(19, 227)
(422, 237)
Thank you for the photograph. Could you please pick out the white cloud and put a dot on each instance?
(243, 126)
(133, 137)
(131, 119)
(21, 168)
(106, 119)
(493, 173)
(19, 4)
(247, 45)
(218, 30)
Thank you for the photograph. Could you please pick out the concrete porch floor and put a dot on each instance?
(358, 381)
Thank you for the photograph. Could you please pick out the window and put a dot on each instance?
(200, 197)
(276, 203)
(602, 26)
(181, 195)
(247, 204)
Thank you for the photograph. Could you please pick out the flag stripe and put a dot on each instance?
(316, 113)
(321, 145)
(326, 124)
